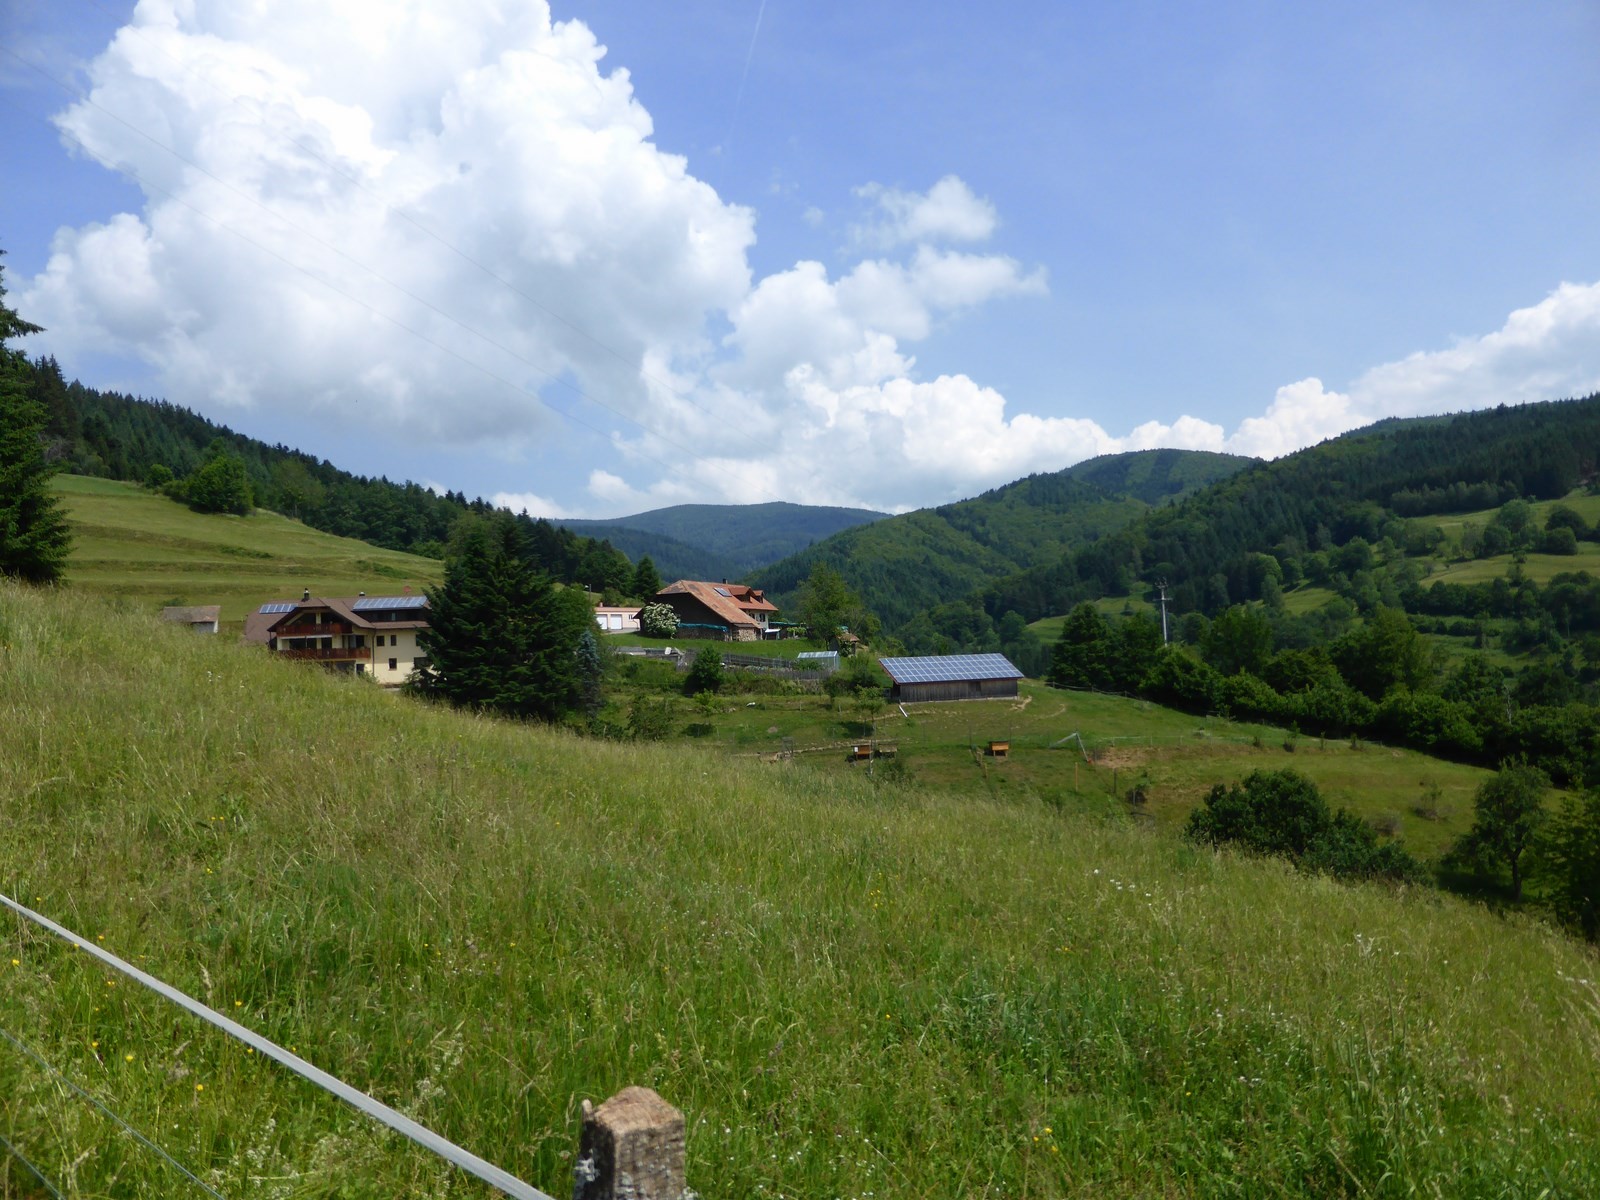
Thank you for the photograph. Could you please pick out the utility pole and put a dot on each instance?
(1161, 585)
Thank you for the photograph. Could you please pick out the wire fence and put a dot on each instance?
(463, 1159)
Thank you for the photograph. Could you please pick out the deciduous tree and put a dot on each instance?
(1508, 812)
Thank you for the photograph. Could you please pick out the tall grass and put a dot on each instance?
(851, 990)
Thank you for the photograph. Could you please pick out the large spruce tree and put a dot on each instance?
(33, 530)
(502, 636)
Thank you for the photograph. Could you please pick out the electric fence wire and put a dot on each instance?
(104, 1108)
(378, 1111)
(621, 356)
(35, 1171)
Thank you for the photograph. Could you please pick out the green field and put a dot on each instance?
(853, 987)
(133, 543)
(1176, 756)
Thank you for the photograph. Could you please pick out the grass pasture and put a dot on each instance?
(852, 989)
(135, 544)
(1176, 756)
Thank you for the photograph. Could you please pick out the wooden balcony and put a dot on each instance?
(337, 654)
(326, 629)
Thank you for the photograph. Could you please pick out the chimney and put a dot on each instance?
(305, 597)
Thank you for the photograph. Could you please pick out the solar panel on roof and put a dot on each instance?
(723, 592)
(950, 668)
(278, 606)
(368, 603)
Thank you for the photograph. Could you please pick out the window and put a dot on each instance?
(421, 664)
(394, 664)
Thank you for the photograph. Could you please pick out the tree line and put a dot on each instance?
(197, 461)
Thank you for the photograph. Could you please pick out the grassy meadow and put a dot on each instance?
(133, 543)
(853, 987)
(1122, 743)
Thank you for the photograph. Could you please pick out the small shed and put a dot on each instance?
(819, 660)
(952, 677)
(202, 618)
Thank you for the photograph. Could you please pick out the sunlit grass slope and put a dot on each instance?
(128, 541)
(850, 991)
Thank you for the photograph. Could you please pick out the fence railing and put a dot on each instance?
(631, 1146)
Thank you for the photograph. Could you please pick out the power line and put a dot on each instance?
(36, 1172)
(378, 1111)
(98, 1103)
(621, 356)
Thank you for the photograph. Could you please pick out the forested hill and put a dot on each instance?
(905, 564)
(722, 541)
(1212, 547)
(119, 437)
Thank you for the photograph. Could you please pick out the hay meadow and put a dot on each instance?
(852, 987)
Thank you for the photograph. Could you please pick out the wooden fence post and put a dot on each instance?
(631, 1148)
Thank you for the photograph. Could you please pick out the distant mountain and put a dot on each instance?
(904, 565)
(721, 541)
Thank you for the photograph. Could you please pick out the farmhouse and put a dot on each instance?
(731, 612)
(952, 677)
(364, 635)
(202, 618)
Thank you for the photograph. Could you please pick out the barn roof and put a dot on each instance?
(732, 602)
(192, 614)
(949, 668)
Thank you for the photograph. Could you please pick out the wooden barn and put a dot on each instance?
(952, 677)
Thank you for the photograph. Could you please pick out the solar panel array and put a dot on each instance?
(368, 603)
(949, 668)
(278, 606)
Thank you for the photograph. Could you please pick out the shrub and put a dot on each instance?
(705, 673)
(658, 621)
(1281, 813)
(650, 719)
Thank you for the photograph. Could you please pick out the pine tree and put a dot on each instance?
(34, 537)
(646, 579)
(501, 635)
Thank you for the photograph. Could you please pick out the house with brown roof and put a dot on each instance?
(732, 612)
(375, 636)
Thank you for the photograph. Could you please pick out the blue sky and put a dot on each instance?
(884, 255)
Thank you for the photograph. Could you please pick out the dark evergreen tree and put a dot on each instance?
(502, 636)
(34, 537)
(591, 670)
(646, 579)
(1083, 656)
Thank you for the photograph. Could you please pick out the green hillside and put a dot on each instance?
(729, 539)
(904, 565)
(849, 986)
(133, 543)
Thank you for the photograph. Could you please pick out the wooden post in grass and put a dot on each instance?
(631, 1148)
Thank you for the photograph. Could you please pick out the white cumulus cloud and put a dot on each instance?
(1546, 351)
(410, 218)
(949, 211)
